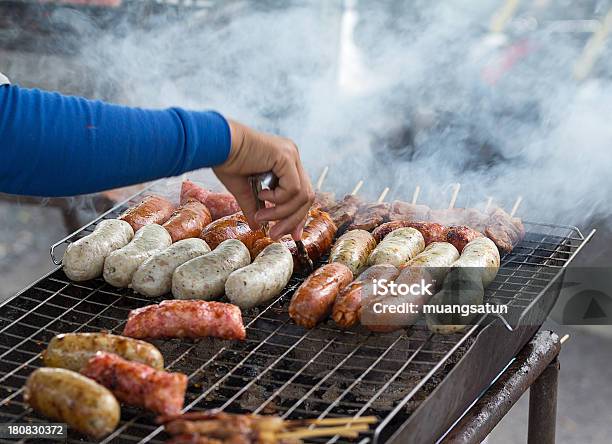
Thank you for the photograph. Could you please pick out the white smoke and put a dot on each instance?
(500, 114)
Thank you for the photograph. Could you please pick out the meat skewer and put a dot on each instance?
(185, 319)
(398, 247)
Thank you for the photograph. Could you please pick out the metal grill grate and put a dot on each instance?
(280, 367)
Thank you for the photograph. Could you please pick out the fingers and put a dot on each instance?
(291, 224)
(297, 233)
(241, 189)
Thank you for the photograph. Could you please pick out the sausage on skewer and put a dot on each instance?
(398, 247)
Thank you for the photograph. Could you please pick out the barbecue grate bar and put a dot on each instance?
(280, 368)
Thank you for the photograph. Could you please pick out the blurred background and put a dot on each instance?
(509, 98)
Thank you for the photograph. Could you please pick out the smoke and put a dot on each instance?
(395, 93)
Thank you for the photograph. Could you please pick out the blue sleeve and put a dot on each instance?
(55, 145)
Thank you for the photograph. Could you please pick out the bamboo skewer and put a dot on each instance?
(322, 178)
(333, 421)
(454, 196)
(357, 188)
(489, 202)
(415, 196)
(592, 50)
(503, 15)
(349, 431)
(382, 196)
(516, 206)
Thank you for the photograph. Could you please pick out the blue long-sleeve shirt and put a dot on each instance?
(56, 145)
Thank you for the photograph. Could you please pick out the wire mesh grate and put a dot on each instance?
(280, 368)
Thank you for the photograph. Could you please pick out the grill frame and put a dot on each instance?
(468, 350)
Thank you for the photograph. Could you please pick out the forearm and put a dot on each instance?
(54, 145)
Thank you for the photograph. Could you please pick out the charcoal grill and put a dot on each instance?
(417, 383)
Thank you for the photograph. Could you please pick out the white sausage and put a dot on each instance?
(204, 277)
(84, 258)
(481, 253)
(120, 265)
(398, 247)
(154, 277)
(263, 279)
(353, 249)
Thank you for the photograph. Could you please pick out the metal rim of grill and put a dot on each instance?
(280, 367)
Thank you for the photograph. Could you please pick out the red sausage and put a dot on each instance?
(138, 384)
(234, 226)
(313, 300)
(349, 301)
(188, 220)
(152, 210)
(186, 319)
(219, 204)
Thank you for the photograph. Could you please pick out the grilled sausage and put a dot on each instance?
(66, 396)
(73, 350)
(318, 235)
(353, 249)
(188, 220)
(204, 277)
(430, 267)
(154, 277)
(464, 285)
(354, 295)
(120, 265)
(398, 247)
(313, 300)
(84, 258)
(185, 319)
(460, 236)
(431, 231)
(152, 210)
(234, 226)
(263, 279)
(138, 384)
(219, 204)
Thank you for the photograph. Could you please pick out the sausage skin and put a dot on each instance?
(431, 231)
(154, 277)
(431, 266)
(152, 210)
(398, 247)
(66, 396)
(313, 300)
(465, 283)
(262, 280)
(138, 384)
(120, 265)
(354, 295)
(185, 319)
(188, 220)
(84, 258)
(234, 226)
(460, 236)
(219, 204)
(204, 277)
(353, 249)
(72, 350)
(318, 235)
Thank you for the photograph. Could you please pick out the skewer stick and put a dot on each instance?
(382, 196)
(454, 196)
(346, 431)
(322, 178)
(503, 15)
(489, 202)
(334, 421)
(415, 196)
(593, 49)
(516, 205)
(357, 188)
(564, 339)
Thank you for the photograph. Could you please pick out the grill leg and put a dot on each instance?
(543, 406)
